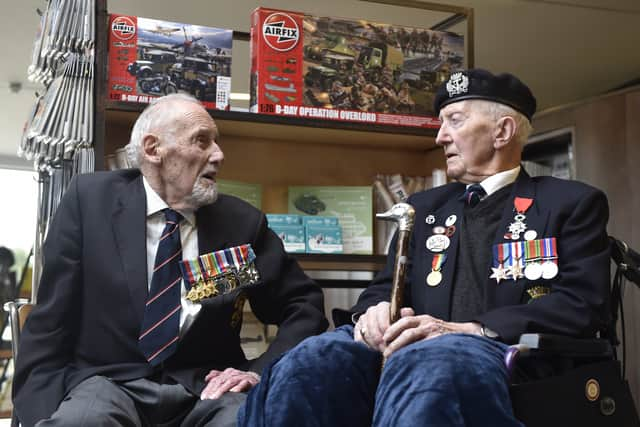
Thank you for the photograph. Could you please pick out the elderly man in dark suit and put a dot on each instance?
(492, 256)
(145, 275)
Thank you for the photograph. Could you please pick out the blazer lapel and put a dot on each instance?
(211, 235)
(451, 212)
(129, 227)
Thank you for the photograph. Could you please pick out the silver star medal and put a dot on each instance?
(499, 273)
(516, 270)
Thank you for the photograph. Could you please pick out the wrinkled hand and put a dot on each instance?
(372, 325)
(411, 328)
(233, 380)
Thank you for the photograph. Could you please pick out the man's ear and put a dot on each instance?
(151, 148)
(504, 132)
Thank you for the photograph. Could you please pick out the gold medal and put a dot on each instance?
(434, 278)
(207, 290)
(192, 295)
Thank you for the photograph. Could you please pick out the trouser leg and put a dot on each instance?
(95, 402)
(327, 380)
(452, 380)
(221, 412)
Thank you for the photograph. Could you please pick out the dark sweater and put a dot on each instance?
(477, 231)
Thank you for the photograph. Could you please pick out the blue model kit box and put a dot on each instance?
(283, 219)
(324, 239)
(292, 237)
(319, 220)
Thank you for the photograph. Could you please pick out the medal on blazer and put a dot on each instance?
(435, 277)
(550, 258)
(451, 219)
(501, 253)
(438, 243)
(533, 256)
(516, 266)
(219, 272)
(518, 226)
(193, 279)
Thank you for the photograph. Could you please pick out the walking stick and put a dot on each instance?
(403, 214)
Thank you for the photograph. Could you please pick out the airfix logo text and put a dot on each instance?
(280, 31)
(123, 28)
(277, 29)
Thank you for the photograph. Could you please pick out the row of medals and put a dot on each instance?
(441, 239)
(223, 283)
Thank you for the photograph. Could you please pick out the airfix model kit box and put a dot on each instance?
(348, 70)
(292, 237)
(150, 58)
(324, 239)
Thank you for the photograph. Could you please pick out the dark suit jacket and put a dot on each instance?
(94, 287)
(575, 213)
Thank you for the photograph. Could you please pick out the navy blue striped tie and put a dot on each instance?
(473, 194)
(160, 327)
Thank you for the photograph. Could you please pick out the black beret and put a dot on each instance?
(477, 83)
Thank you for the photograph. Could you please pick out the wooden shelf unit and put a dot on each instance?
(278, 152)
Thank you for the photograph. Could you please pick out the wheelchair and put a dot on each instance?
(591, 391)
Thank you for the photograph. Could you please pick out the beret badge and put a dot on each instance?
(458, 84)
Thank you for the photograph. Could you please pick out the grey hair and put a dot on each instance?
(153, 117)
(496, 110)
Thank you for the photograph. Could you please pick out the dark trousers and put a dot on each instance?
(331, 380)
(99, 401)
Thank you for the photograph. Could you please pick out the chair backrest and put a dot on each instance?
(18, 311)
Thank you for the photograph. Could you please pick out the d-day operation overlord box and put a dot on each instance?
(150, 58)
(348, 70)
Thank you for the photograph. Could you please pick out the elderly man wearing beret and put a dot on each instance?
(493, 255)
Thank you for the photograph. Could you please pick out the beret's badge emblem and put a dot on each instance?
(458, 83)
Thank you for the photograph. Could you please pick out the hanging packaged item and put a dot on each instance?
(150, 58)
(348, 70)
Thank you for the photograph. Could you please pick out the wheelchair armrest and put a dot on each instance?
(558, 345)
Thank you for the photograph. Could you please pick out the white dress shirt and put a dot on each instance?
(188, 238)
(499, 180)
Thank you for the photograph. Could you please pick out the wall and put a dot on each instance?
(15, 109)
(607, 152)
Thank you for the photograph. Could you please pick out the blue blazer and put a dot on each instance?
(94, 287)
(578, 300)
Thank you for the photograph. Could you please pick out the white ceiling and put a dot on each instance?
(566, 50)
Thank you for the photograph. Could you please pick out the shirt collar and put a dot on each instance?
(155, 204)
(500, 180)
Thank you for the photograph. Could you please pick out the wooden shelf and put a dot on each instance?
(300, 130)
(341, 270)
(341, 262)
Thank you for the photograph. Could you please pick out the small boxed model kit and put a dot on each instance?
(324, 239)
(308, 220)
(283, 219)
(292, 236)
(150, 58)
(348, 70)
